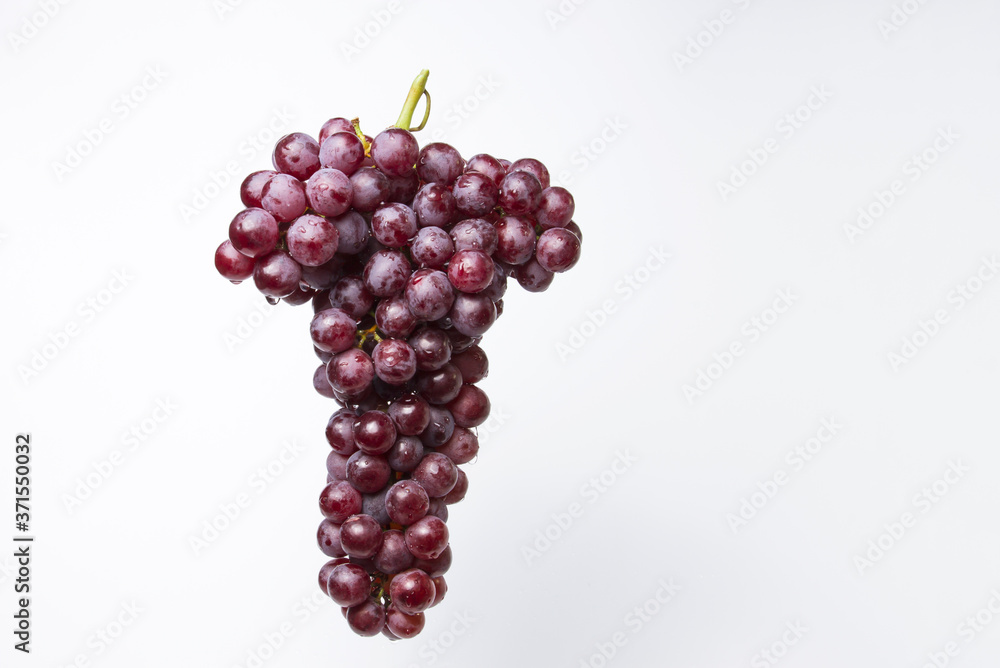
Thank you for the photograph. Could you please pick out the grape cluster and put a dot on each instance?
(404, 253)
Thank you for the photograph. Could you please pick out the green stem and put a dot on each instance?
(416, 92)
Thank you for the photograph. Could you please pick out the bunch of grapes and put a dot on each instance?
(404, 253)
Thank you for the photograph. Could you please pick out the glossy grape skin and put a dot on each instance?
(515, 240)
(488, 165)
(558, 250)
(321, 277)
(435, 567)
(339, 500)
(412, 591)
(439, 163)
(252, 187)
(434, 205)
(351, 371)
(374, 432)
(353, 230)
(475, 194)
(441, 385)
(370, 187)
(374, 504)
(575, 229)
(394, 360)
(301, 295)
(426, 538)
(432, 347)
(351, 295)
(325, 571)
(392, 556)
(533, 167)
(232, 264)
(334, 125)
(439, 429)
(410, 414)
(497, 287)
(406, 502)
(520, 193)
(460, 342)
(431, 248)
(475, 234)
(368, 473)
(436, 473)
(402, 189)
(361, 536)
(555, 208)
(462, 447)
(297, 155)
(332, 330)
(406, 452)
(277, 274)
(402, 625)
(429, 294)
(253, 232)
(340, 432)
(533, 277)
(320, 383)
(336, 465)
(470, 270)
(441, 588)
(367, 618)
(457, 493)
(348, 585)
(471, 407)
(312, 240)
(395, 151)
(342, 151)
(394, 224)
(472, 363)
(329, 192)
(394, 318)
(386, 273)
(472, 315)
(284, 197)
(438, 509)
(328, 538)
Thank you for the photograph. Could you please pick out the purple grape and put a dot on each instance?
(488, 165)
(456, 494)
(254, 232)
(432, 248)
(394, 224)
(367, 618)
(405, 453)
(475, 194)
(432, 347)
(515, 240)
(435, 567)
(335, 125)
(412, 591)
(340, 432)
(329, 192)
(312, 240)
(361, 536)
(439, 163)
(575, 229)
(322, 277)
(386, 273)
(393, 557)
(320, 383)
(342, 151)
(326, 570)
(402, 625)
(438, 509)
(440, 589)
(434, 205)
(367, 472)
(470, 270)
(429, 294)
(350, 372)
(332, 330)
(532, 276)
(353, 231)
(297, 155)
(462, 447)
(277, 274)
(533, 167)
(374, 432)
(339, 500)
(440, 386)
(403, 189)
(328, 538)
(284, 197)
(301, 295)
(472, 363)
(395, 151)
(475, 234)
(348, 584)
(394, 318)
(558, 250)
(471, 407)
(351, 295)
(374, 504)
(426, 538)
(472, 315)
(394, 360)
(410, 414)
(371, 189)
(520, 193)
(336, 465)
(232, 264)
(497, 287)
(252, 187)
(555, 208)
(406, 502)
(439, 429)
(436, 473)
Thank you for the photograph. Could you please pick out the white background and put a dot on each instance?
(662, 135)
